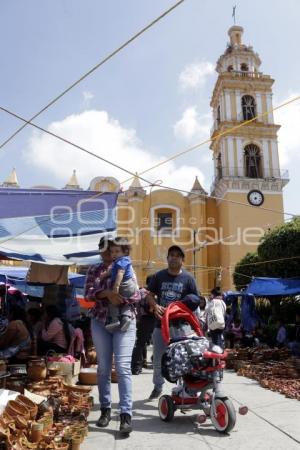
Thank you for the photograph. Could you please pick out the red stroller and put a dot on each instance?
(200, 388)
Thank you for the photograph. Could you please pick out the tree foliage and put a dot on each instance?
(281, 242)
(246, 269)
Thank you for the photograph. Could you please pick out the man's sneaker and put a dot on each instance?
(125, 423)
(104, 419)
(155, 393)
(145, 365)
(136, 370)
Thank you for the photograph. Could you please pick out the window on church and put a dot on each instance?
(248, 107)
(244, 67)
(253, 161)
(164, 222)
(229, 68)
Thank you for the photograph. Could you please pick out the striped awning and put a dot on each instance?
(55, 226)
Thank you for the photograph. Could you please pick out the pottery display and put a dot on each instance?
(274, 369)
(36, 369)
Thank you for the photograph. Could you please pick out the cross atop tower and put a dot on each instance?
(233, 13)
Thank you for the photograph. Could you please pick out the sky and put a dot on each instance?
(147, 103)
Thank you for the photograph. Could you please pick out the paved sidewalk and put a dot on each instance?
(273, 421)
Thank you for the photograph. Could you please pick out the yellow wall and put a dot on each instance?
(246, 225)
(238, 224)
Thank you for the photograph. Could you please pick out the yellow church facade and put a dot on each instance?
(246, 198)
(215, 230)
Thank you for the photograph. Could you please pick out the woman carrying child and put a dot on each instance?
(123, 282)
(118, 340)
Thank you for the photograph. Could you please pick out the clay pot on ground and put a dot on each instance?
(78, 389)
(21, 422)
(36, 369)
(33, 408)
(91, 356)
(76, 441)
(14, 409)
(61, 446)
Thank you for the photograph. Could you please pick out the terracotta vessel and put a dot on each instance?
(36, 370)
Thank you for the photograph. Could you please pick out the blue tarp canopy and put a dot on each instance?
(16, 276)
(267, 287)
(58, 227)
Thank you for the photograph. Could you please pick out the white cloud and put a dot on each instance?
(192, 125)
(103, 135)
(289, 134)
(194, 75)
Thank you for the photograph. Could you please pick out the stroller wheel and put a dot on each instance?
(166, 408)
(225, 417)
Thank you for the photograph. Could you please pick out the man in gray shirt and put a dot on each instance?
(165, 287)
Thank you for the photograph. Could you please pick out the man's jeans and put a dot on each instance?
(143, 334)
(120, 344)
(159, 347)
(217, 338)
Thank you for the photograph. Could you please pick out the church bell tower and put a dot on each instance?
(248, 180)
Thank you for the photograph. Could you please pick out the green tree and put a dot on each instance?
(281, 242)
(245, 269)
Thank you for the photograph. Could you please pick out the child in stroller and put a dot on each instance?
(190, 363)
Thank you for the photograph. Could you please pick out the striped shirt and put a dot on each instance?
(94, 285)
(55, 333)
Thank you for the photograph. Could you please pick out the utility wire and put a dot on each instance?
(263, 262)
(66, 141)
(217, 136)
(225, 200)
(153, 184)
(93, 69)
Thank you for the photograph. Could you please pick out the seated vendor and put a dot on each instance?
(15, 338)
(56, 333)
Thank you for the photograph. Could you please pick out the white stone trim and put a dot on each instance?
(228, 105)
(230, 169)
(265, 160)
(223, 107)
(111, 180)
(275, 156)
(240, 157)
(258, 106)
(242, 191)
(239, 112)
(269, 108)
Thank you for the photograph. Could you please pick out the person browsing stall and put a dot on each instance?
(165, 287)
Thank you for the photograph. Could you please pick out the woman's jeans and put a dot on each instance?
(120, 344)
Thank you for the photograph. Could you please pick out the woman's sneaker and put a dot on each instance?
(125, 423)
(104, 419)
